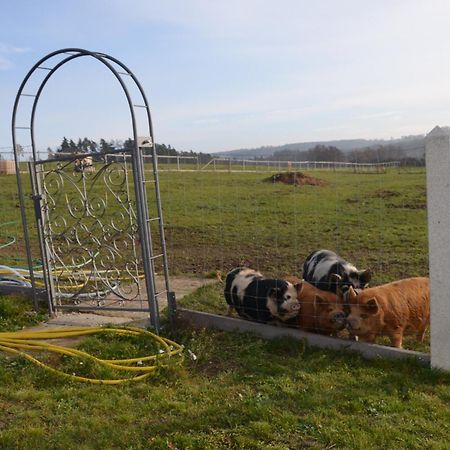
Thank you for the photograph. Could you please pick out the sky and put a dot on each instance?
(236, 74)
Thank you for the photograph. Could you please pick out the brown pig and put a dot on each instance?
(320, 311)
(393, 309)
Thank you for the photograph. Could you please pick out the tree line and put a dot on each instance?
(320, 152)
(375, 154)
(86, 145)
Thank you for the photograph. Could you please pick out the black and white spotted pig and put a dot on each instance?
(255, 297)
(322, 266)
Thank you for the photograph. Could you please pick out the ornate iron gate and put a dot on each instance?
(93, 222)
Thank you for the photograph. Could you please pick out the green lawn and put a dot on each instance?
(242, 392)
(216, 221)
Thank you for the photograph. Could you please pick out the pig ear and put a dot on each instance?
(336, 278)
(320, 302)
(365, 276)
(372, 306)
(351, 294)
(299, 287)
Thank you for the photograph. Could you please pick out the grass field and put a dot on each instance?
(240, 392)
(243, 392)
(218, 220)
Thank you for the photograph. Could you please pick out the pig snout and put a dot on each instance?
(352, 323)
(289, 309)
(339, 320)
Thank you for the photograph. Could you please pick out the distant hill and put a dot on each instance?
(413, 146)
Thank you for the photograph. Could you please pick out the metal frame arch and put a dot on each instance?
(137, 160)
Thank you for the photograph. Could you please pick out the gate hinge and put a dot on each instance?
(37, 205)
(172, 303)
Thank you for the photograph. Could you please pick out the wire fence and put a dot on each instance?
(196, 163)
(219, 215)
(249, 165)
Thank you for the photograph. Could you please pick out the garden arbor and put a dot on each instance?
(99, 246)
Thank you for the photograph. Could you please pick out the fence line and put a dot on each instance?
(192, 163)
(250, 165)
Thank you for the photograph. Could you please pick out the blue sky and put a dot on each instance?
(226, 75)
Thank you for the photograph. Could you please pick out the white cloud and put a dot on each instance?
(6, 51)
(7, 48)
(271, 72)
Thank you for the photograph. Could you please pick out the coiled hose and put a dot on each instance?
(17, 342)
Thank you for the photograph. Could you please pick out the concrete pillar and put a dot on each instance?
(438, 198)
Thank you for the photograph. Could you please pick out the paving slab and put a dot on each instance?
(180, 285)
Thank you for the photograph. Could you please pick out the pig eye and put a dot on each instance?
(288, 297)
(364, 316)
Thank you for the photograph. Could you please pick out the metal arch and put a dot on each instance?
(155, 175)
(145, 236)
(141, 196)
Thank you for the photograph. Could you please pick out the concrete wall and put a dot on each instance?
(371, 351)
(438, 197)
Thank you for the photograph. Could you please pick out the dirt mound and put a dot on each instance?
(296, 178)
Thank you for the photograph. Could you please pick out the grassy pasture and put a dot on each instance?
(215, 221)
(242, 392)
(218, 220)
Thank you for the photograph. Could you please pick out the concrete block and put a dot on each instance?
(370, 351)
(437, 155)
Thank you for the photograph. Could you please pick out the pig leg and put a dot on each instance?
(421, 335)
(397, 340)
(367, 338)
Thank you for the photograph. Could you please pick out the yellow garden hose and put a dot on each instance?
(16, 342)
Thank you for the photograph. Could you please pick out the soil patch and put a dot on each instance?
(386, 193)
(295, 178)
(418, 204)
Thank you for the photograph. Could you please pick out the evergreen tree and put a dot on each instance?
(104, 146)
(65, 147)
(92, 146)
(128, 144)
(84, 144)
(72, 146)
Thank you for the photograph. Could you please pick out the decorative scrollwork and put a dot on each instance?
(92, 232)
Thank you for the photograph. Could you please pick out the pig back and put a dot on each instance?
(404, 303)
